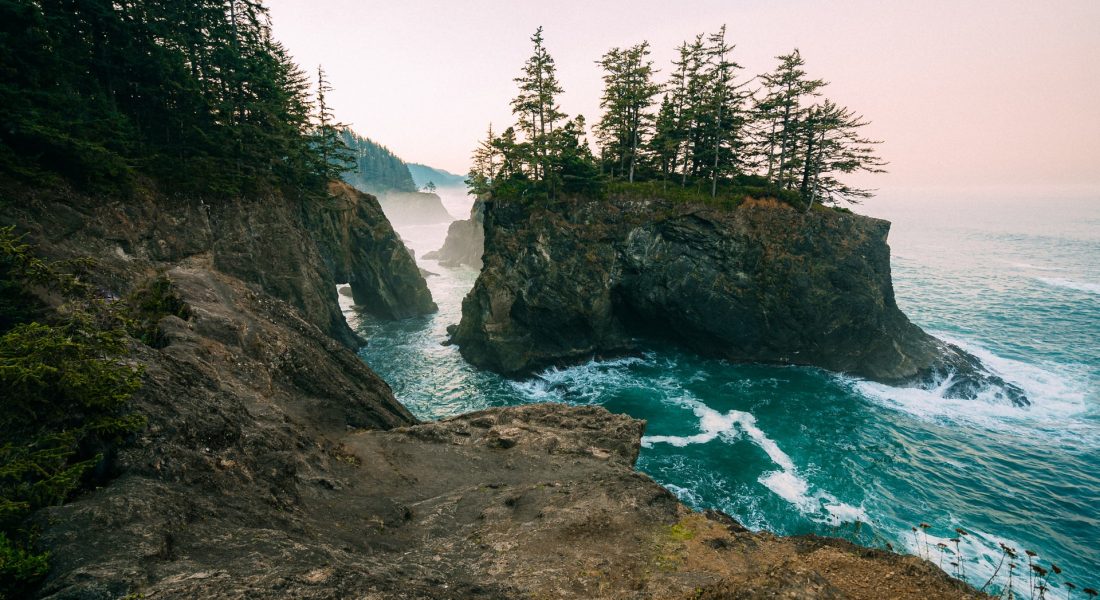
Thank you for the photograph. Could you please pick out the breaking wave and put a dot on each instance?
(784, 482)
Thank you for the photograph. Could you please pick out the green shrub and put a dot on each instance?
(147, 305)
(65, 402)
(19, 568)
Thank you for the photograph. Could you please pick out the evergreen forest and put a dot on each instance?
(195, 96)
(705, 131)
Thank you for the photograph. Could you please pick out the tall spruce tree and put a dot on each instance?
(693, 113)
(832, 145)
(485, 165)
(536, 108)
(785, 106)
(576, 166)
(676, 126)
(664, 146)
(723, 116)
(335, 156)
(629, 92)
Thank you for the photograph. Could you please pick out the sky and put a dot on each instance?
(984, 94)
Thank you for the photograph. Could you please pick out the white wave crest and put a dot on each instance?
(1032, 267)
(1080, 286)
(784, 482)
(685, 495)
(588, 382)
(1057, 397)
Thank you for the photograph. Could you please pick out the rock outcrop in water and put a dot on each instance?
(465, 241)
(760, 282)
(413, 208)
(275, 464)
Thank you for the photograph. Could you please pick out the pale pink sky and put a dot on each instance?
(964, 93)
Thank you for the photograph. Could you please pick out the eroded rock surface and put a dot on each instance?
(293, 251)
(361, 248)
(465, 241)
(761, 282)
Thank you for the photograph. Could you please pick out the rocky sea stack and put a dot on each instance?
(413, 208)
(465, 241)
(760, 282)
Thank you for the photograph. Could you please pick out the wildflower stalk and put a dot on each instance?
(1004, 553)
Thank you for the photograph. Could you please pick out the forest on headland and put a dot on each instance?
(194, 96)
(374, 168)
(110, 98)
(707, 132)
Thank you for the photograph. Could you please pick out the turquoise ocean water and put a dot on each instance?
(799, 450)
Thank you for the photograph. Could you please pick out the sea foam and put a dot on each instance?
(585, 383)
(784, 482)
(1058, 395)
(978, 551)
(1080, 286)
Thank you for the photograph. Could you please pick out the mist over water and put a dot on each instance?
(798, 450)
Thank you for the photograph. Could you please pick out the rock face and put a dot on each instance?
(293, 252)
(465, 241)
(761, 282)
(414, 208)
(360, 248)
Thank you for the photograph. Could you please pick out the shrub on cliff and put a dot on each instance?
(147, 305)
(66, 393)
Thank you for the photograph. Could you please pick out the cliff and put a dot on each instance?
(465, 241)
(360, 248)
(761, 282)
(275, 463)
(291, 251)
(414, 208)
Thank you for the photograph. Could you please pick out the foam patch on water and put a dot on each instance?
(980, 553)
(581, 384)
(784, 482)
(711, 423)
(1031, 267)
(1058, 398)
(685, 495)
(1080, 286)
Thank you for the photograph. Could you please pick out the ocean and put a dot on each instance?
(795, 450)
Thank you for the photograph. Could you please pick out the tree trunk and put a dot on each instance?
(717, 147)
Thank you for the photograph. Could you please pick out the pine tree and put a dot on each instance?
(511, 156)
(537, 109)
(664, 146)
(693, 111)
(577, 168)
(335, 157)
(628, 94)
(484, 170)
(723, 116)
(784, 106)
(832, 145)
